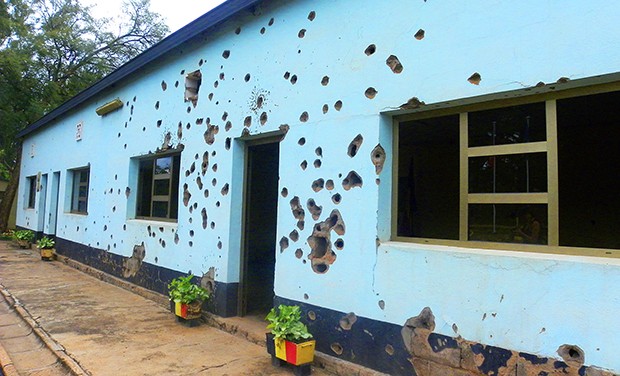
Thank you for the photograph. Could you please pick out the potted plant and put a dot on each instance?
(187, 298)
(289, 339)
(23, 238)
(46, 247)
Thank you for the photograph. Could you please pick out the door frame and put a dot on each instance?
(248, 142)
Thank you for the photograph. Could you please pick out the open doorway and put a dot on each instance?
(260, 220)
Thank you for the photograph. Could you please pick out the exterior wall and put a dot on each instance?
(533, 303)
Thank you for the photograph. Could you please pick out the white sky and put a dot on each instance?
(176, 13)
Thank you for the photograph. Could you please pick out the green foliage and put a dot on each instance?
(182, 290)
(45, 243)
(285, 323)
(24, 235)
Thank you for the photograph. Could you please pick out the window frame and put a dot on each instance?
(550, 146)
(76, 184)
(159, 198)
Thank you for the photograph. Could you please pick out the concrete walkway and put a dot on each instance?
(100, 329)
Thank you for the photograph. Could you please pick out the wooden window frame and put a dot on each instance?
(159, 198)
(76, 184)
(550, 147)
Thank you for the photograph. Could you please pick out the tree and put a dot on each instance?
(50, 50)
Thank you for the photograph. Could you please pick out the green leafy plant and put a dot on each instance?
(182, 290)
(7, 235)
(285, 323)
(45, 243)
(24, 235)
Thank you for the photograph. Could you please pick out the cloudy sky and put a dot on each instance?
(177, 13)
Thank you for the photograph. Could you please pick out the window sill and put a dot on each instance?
(153, 221)
(505, 249)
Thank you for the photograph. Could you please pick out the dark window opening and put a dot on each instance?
(79, 195)
(508, 125)
(32, 191)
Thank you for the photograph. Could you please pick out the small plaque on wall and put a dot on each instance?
(78, 131)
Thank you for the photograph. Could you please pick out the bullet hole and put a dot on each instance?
(370, 93)
(303, 165)
(228, 126)
(394, 64)
(352, 180)
(193, 81)
(271, 21)
(105, 227)
(318, 184)
(302, 141)
(302, 33)
(317, 163)
(205, 163)
(314, 209)
(339, 243)
(304, 117)
(113, 209)
(321, 254)
(297, 209)
(475, 79)
(210, 133)
(226, 54)
(238, 31)
(247, 77)
(157, 105)
(176, 238)
(325, 81)
(262, 30)
(227, 143)
(572, 354)
(299, 253)
(182, 71)
(190, 243)
(216, 84)
(287, 75)
(419, 35)
(338, 105)
(294, 235)
(127, 192)
(311, 315)
(219, 245)
(176, 84)
(325, 108)
(336, 198)
(319, 151)
(311, 15)
(378, 158)
(337, 348)
(225, 189)
(300, 225)
(382, 304)
(214, 182)
(389, 349)
(210, 96)
(455, 328)
(263, 118)
(355, 145)
(133, 263)
(206, 193)
(224, 116)
(247, 122)
(283, 244)
(284, 128)
(212, 225)
(199, 121)
(180, 131)
(348, 320)
(186, 195)
(222, 78)
(306, 297)
(294, 79)
(371, 49)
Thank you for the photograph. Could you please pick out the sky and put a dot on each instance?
(176, 13)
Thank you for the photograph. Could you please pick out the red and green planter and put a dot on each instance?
(190, 311)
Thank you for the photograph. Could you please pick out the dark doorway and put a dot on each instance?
(261, 198)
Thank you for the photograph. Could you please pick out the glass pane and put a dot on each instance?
(83, 176)
(160, 209)
(509, 125)
(161, 187)
(508, 223)
(428, 178)
(514, 173)
(82, 206)
(163, 165)
(83, 191)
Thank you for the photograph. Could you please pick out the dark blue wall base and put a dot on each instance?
(156, 278)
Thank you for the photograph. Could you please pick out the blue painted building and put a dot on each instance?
(433, 182)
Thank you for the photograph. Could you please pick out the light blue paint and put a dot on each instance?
(511, 44)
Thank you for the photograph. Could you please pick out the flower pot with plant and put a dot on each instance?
(289, 339)
(23, 238)
(46, 247)
(187, 298)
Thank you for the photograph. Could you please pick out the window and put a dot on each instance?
(158, 187)
(536, 173)
(79, 192)
(192, 86)
(32, 191)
